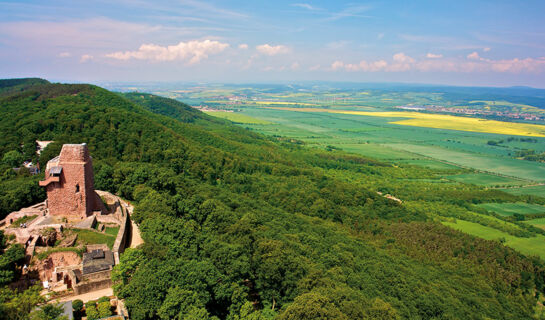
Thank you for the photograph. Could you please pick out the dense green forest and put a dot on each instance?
(242, 226)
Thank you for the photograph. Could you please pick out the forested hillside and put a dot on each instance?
(242, 226)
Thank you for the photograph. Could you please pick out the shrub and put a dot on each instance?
(91, 312)
(104, 309)
(103, 299)
(90, 303)
(77, 305)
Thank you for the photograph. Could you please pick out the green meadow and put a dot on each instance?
(377, 151)
(533, 246)
(237, 117)
(429, 163)
(522, 169)
(485, 179)
(531, 190)
(509, 209)
(539, 223)
(94, 237)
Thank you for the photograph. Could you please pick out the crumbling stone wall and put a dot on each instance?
(46, 268)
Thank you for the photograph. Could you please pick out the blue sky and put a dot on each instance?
(496, 43)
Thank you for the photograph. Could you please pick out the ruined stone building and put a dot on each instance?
(69, 183)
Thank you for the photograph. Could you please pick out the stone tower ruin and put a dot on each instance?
(69, 183)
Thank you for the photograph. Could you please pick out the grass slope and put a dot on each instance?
(517, 168)
(485, 179)
(237, 117)
(509, 209)
(534, 246)
(533, 190)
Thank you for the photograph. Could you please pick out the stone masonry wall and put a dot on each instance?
(122, 236)
(85, 287)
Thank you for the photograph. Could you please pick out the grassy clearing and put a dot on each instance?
(533, 191)
(112, 231)
(377, 151)
(509, 209)
(93, 237)
(440, 121)
(17, 223)
(237, 117)
(534, 246)
(485, 179)
(428, 163)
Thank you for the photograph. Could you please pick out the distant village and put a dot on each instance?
(470, 111)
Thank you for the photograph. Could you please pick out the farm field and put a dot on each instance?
(378, 151)
(528, 170)
(377, 137)
(539, 223)
(428, 163)
(509, 209)
(237, 117)
(532, 190)
(534, 246)
(485, 179)
(441, 121)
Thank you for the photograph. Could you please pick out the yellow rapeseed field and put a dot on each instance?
(440, 121)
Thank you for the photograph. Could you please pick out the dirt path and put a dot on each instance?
(89, 295)
(136, 239)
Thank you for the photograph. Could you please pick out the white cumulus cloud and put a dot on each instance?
(85, 58)
(243, 46)
(364, 66)
(192, 51)
(65, 55)
(272, 50)
(474, 63)
(433, 56)
(337, 65)
(474, 56)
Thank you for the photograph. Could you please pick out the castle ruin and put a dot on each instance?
(69, 183)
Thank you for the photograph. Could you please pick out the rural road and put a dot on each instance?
(89, 295)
